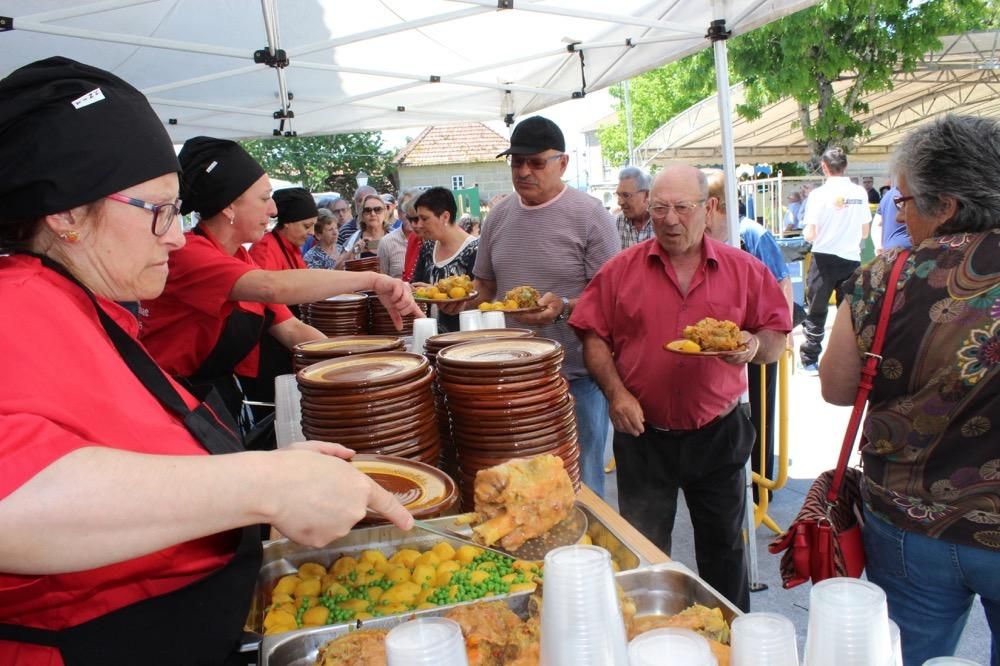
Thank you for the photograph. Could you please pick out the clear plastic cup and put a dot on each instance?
(423, 328)
(670, 646)
(494, 319)
(950, 661)
(470, 320)
(764, 639)
(581, 622)
(428, 641)
(848, 624)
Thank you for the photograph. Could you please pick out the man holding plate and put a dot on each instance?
(675, 416)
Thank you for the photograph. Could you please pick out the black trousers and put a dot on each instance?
(770, 373)
(827, 273)
(708, 464)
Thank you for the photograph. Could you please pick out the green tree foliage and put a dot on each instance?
(855, 44)
(326, 163)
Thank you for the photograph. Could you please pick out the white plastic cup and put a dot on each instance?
(428, 641)
(848, 624)
(494, 319)
(581, 622)
(423, 328)
(950, 661)
(670, 646)
(764, 639)
(470, 320)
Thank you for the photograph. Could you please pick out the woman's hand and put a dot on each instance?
(397, 297)
(317, 496)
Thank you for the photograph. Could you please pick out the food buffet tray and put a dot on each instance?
(661, 589)
(283, 557)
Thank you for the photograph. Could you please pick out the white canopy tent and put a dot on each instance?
(368, 64)
(962, 76)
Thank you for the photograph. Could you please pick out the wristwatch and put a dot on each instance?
(564, 315)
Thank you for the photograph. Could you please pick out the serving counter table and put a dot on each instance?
(288, 429)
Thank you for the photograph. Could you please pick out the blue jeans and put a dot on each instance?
(592, 427)
(930, 585)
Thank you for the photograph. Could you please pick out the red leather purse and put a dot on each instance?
(824, 540)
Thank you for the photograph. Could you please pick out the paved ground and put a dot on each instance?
(816, 430)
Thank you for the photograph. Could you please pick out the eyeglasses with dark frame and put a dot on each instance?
(899, 201)
(163, 214)
(628, 195)
(682, 208)
(534, 163)
(342, 211)
(377, 210)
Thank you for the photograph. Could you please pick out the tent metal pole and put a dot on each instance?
(622, 19)
(83, 10)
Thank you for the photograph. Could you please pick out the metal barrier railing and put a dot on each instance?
(764, 484)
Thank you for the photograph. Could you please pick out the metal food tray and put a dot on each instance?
(283, 557)
(662, 589)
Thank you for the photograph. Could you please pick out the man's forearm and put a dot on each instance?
(772, 344)
(601, 364)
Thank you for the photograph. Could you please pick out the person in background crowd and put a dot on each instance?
(554, 238)
(633, 223)
(447, 249)
(348, 228)
(365, 241)
(120, 526)
(868, 183)
(321, 255)
(759, 242)
(341, 209)
(676, 421)
(836, 221)
(391, 211)
(790, 222)
(887, 232)
(469, 224)
(931, 488)
(392, 249)
(413, 242)
(218, 304)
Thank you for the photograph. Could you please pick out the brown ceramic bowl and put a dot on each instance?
(473, 380)
(347, 345)
(459, 373)
(497, 409)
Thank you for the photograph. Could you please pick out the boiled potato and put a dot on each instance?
(444, 550)
(316, 616)
(286, 585)
(405, 557)
(423, 573)
(310, 587)
(312, 570)
(344, 566)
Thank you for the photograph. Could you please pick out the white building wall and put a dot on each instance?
(491, 178)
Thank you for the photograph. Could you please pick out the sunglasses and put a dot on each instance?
(376, 210)
(534, 163)
(342, 211)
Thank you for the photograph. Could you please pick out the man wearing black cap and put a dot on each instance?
(555, 239)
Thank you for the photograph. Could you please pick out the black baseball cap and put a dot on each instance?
(535, 135)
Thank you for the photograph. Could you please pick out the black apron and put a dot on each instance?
(197, 624)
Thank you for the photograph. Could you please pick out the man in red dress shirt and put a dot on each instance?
(676, 420)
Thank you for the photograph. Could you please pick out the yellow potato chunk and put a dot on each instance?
(465, 554)
(372, 556)
(286, 585)
(444, 550)
(315, 617)
(356, 605)
(308, 588)
(522, 587)
(425, 605)
(344, 566)
(276, 617)
(398, 575)
(312, 570)
(429, 557)
(456, 292)
(423, 573)
(405, 557)
(477, 577)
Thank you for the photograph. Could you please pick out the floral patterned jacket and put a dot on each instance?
(932, 455)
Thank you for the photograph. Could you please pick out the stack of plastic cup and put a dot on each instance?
(897, 645)
(848, 624)
(423, 328)
(581, 622)
(950, 661)
(764, 639)
(494, 319)
(470, 320)
(671, 646)
(429, 641)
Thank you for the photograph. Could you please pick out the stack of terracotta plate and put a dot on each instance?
(346, 314)
(434, 344)
(373, 403)
(506, 399)
(381, 322)
(314, 351)
(366, 264)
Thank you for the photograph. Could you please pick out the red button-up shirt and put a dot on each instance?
(635, 305)
(272, 252)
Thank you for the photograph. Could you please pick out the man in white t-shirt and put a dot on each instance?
(836, 220)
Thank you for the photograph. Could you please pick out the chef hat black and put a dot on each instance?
(294, 204)
(71, 134)
(215, 173)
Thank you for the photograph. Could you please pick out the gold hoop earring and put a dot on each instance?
(70, 236)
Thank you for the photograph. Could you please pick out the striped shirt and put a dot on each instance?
(627, 233)
(557, 246)
(391, 252)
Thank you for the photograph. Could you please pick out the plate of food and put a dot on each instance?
(519, 300)
(710, 337)
(454, 289)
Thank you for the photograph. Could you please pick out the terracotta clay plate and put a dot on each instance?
(744, 335)
(364, 370)
(349, 344)
(499, 352)
(422, 489)
(534, 308)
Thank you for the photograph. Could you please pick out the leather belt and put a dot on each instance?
(677, 432)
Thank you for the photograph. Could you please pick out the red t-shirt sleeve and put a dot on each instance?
(595, 305)
(204, 275)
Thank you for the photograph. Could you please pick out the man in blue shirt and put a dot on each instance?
(887, 233)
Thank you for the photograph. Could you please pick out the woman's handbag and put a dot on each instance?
(824, 540)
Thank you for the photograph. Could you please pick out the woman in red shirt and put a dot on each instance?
(129, 509)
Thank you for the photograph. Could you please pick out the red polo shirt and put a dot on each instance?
(272, 252)
(184, 324)
(68, 388)
(634, 304)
